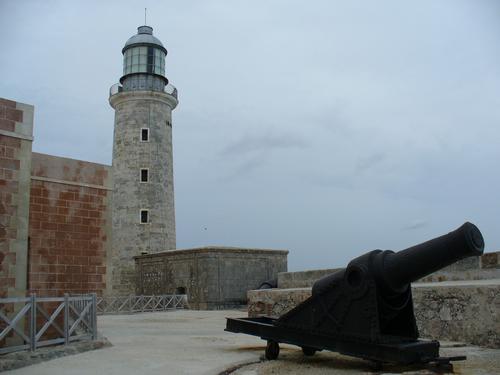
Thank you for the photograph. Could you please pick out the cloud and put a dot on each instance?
(324, 107)
(260, 143)
(245, 167)
(370, 161)
(252, 152)
(332, 181)
(416, 224)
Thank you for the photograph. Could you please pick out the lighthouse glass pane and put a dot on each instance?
(128, 64)
(144, 60)
(158, 62)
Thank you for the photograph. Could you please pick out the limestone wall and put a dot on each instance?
(459, 311)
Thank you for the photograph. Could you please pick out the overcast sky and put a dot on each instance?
(328, 128)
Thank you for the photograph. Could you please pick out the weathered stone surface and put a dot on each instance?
(302, 279)
(461, 311)
(458, 311)
(475, 268)
(135, 110)
(212, 277)
(490, 260)
(20, 359)
(275, 302)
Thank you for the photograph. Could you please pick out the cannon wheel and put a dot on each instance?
(272, 350)
(377, 366)
(308, 351)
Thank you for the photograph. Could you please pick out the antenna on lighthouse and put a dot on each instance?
(145, 10)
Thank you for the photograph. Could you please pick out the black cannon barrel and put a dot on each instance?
(406, 266)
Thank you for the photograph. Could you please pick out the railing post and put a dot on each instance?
(32, 322)
(66, 319)
(94, 316)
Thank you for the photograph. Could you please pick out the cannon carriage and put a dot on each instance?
(366, 309)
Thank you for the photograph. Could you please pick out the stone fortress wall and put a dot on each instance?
(213, 277)
(69, 226)
(16, 130)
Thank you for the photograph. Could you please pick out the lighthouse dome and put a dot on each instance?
(144, 37)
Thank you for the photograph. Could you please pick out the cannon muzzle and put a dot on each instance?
(399, 269)
(394, 271)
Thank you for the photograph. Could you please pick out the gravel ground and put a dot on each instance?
(291, 361)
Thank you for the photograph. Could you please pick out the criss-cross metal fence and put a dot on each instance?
(27, 323)
(134, 304)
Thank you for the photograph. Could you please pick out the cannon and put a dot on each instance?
(366, 309)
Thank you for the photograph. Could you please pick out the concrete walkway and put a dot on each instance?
(194, 342)
(174, 342)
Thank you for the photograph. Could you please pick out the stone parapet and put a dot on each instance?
(459, 311)
(467, 311)
(302, 279)
(484, 267)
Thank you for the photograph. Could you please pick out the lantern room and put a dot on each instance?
(144, 62)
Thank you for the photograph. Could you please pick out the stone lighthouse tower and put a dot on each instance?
(143, 217)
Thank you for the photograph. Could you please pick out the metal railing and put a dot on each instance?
(169, 89)
(27, 323)
(115, 89)
(135, 304)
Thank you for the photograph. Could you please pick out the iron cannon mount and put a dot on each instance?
(366, 309)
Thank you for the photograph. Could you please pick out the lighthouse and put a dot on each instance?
(143, 215)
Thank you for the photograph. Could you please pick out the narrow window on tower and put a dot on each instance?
(144, 175)
(144, 134)
(144, 216)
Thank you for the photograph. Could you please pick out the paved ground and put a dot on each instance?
(174, 342)
(194, 342)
